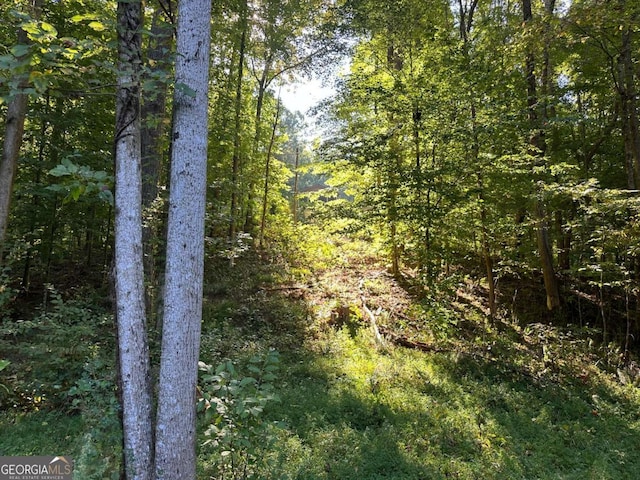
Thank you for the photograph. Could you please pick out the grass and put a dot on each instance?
(490, 403)
(40, 433)
(355, 413)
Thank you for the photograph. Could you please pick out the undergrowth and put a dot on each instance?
(294, 385)
(490, 400)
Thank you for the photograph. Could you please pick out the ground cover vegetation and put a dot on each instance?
(445, 284)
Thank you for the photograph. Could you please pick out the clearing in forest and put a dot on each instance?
(378, 378)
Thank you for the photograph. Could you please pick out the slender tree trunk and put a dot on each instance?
(153, 126)
(235, 170)
(467, 11)
(395, 62)
(537, 143)
(263, 83)
(392, 208)
(176, 417)
(265, 193)
(295, 187)
(42, 144)
(13, 133)
(262, 88)
(153, 108)
(628, 97)
(129, 276)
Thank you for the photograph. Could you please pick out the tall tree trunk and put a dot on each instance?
(467, 11)
(294, 207)
(537, 143)
(628, 97)
(263, 83)
(153, 120)
(235, 169)
(13, 133)
(42, 144)
(265, 193)
(176, 417)
(129, 276)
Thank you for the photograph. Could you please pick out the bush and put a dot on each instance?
(49, 353)
(233, 406)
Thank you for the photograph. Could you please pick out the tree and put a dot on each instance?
(538, 148)
(153, 112)
(267, 169)
(129, 275)
(175, 427)
(14, 129)
(237, 136)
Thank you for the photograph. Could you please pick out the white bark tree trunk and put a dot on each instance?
(129, 276)
(176, 416)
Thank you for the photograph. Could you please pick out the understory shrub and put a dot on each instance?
(233, 401)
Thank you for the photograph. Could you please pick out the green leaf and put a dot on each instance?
(31, 28)
(247, 381)
(106, 196)
(59, 171)
(71, 167)
(6, 62)
(4, 364)
(20, 50)
(97, 26)
(50, 29)
(255, 411)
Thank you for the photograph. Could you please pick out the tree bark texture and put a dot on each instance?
(176, 416)
(153, 109)
(14, 128)
(129, 277)
(13, 133)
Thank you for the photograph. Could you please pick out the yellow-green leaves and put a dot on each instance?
(97, 26)
(94, 24)
(40, 32)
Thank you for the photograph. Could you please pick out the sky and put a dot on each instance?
(301, 96)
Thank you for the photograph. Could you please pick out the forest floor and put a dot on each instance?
(337, 370)
(381, 379)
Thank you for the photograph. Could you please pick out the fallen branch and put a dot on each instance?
(403, 341)
(284, 288)
(374, 326)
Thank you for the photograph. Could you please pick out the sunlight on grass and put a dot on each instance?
(357, 413)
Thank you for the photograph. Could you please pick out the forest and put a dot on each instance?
(432, 273)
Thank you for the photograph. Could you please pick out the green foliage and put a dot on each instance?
(435, 312)
(233, 406)
(94, 396)
(360, 414)
(50, 351)
(78, 180)
(4, 364)
(36, 432)
(7, 293)
(62, 360)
